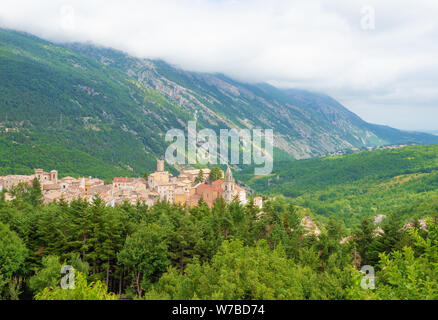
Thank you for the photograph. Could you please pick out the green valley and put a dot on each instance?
(403, 180)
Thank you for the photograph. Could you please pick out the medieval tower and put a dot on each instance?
(228, 186)
(160, 165)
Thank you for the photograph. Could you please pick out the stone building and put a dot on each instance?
(46, 177)
(228, 186)
(8, 182)
(191, 175)
(159, 186)
(159, 177)
(226, 189)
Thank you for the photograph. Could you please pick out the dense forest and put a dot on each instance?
(226, 252)
(402, 181)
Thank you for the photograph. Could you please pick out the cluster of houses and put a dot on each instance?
(185, 189)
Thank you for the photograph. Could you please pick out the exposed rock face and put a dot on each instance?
(422, 224)
(379, 218)
(378, 232)
(308, 224)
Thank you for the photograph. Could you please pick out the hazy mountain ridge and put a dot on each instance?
(305, 123)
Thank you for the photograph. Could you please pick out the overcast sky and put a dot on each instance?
(385, 68)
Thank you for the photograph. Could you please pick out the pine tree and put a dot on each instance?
(200, 177)
(36, 196)
(389, 240)
(364, 239)
(215, 174)
(2, 198)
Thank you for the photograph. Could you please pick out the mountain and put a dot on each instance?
(434, 132)
(306, 124)
(97, 111)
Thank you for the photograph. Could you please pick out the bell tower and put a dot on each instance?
(228, 186)
(160, 165)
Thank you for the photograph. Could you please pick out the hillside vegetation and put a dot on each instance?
(403, 180)
(226, 252)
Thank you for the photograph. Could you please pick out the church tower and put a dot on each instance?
(228, 186)
(160, 165)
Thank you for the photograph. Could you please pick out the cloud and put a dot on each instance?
(387, 74)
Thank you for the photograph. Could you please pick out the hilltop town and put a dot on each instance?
(186, 189)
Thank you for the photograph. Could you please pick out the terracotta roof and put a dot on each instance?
(217, 182)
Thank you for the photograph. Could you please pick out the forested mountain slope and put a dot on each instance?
(54, 101)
